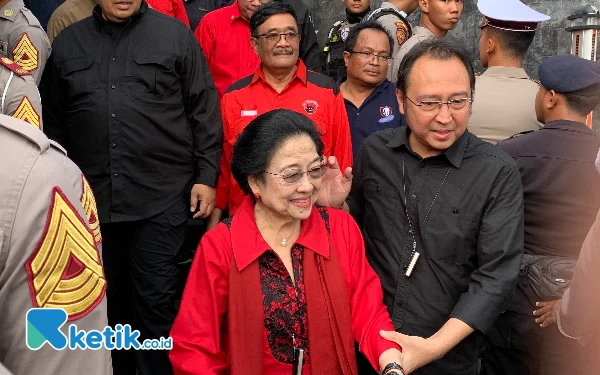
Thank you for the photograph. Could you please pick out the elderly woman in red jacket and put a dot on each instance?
(281, 275)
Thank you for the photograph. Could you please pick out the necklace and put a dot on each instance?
(284, 240)
(414, 256)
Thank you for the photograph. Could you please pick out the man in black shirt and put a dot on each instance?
(128, 93)
(441, 213)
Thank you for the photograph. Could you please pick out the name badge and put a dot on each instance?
(249, 112)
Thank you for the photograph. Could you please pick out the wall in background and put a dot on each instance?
(551, 37)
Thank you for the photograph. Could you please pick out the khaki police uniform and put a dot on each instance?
(49, 252)
(504, 104)
(335, 66)
(19, 96)
(394, 21)
(22, 38)
(420, 34)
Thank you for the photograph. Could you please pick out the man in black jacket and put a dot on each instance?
(129, 95)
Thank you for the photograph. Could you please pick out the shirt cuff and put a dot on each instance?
(478, 312)
(206, 176)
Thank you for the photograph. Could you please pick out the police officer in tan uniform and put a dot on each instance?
(392, 16)
(505, 95)
(19, 96)
(49, 252)
(22, 38)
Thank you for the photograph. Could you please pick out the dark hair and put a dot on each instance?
(373, 25)
(514, 43)
(437, 49)
(260, 140)
(265, 11)
(583, 104)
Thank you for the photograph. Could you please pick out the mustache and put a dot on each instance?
(281, 52)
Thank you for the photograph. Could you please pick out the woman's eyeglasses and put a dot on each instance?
(292, 176)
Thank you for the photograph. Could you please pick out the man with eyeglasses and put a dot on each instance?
(437, 18)
(441, 212)
(224, 35)
(507, 31)
(370, 98)
(281, 81)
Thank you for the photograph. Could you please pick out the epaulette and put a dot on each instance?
(58, 147)
(16, 68)
(33, 21)
(25, 130)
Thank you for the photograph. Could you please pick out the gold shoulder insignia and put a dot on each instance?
(65, 270)
(27, 113)
(89, 206)
(9, 13)
(25, 54)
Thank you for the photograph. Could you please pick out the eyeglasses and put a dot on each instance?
(370, 55)
(276, 37)
(292, 176)
(431, 105)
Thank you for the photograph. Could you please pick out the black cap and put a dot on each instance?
(569, 73)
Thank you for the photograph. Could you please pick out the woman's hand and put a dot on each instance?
(336, 186)
(547, 312)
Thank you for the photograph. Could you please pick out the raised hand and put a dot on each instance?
(336, 186)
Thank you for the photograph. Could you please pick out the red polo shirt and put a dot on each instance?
(224, 36)
(309, 93)
(173, 8)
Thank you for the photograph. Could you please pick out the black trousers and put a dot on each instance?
(140, 263)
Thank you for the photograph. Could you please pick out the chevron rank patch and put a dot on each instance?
(25, 54)
(65, 271)
(27, 113)
(89, 206)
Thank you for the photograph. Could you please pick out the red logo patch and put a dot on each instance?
(310, 106)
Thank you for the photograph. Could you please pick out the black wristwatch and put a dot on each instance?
(392, 366)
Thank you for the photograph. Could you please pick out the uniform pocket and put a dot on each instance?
(81, 75)
(152, 76)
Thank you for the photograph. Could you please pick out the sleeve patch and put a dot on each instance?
(14, 66)
(27, 113)
(89, 206)
(65, 270)
(25, 54)
(401, 32)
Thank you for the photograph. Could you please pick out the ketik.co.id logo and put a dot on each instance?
(43, 326)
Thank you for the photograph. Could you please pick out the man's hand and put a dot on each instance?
(202, 198)
(336, 186)
(547, 312)
(214, 218)
(417, 351)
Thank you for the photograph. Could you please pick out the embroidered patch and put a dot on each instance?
(25, 54)
(64, 271)
(27, 113)
(310, 106)
(386, 114)
(345, 33)
(9, 13)
(401, 32)
(91, 211)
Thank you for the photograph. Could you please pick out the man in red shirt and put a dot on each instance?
(173, 8)
(224, 35)
(281, 81)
